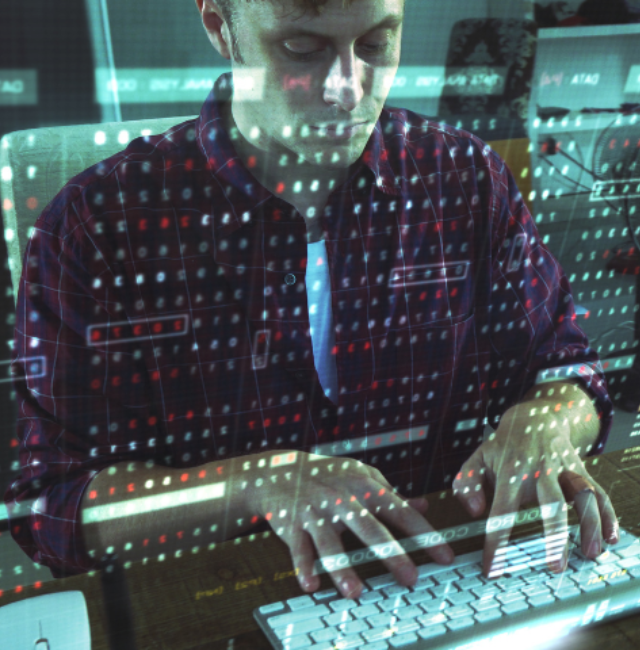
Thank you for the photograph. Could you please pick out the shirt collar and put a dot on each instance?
(224, 162)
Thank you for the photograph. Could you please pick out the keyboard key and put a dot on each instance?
(404, 613)
(377, 634)
(629, 562)
(461, 598)
(338, 618)
(354, 627)
(342, 604)
(510, 597)
(346, 642)
(486, 590)
(297, 642)
(396, 590)
(445, 577)
(606, 569)
(323, 595)
(380, 645)
(567, 592)
(300, 603)
(489, 615)
(326, 634)
(461, 623)
(419, 597)
(365, 611)
(442, 591)
(536, 590)
(295, 629)
(390, 604)
(403, 640)
(543, 599)
(270, 609)
(468, 583)
(379, 582)
(382, 620)
(507, 584)
(485, 604)
(424, 582)
(324, 645)
(617, 578)
(295, 617)
(370, 597)
(434, 606)
(431, 632)
(630, 551)
(404, 627)
(428, 620)
(470, 571)
(593, 586)
(459, 611)
(515, 606)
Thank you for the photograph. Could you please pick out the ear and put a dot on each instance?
(215, 26)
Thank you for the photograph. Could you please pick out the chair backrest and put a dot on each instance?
(37, 163)
(489, 68)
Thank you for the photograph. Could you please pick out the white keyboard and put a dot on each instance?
(456, 607)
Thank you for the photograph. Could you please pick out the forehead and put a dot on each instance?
(283, 17)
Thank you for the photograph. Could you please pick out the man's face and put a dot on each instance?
(333, 71)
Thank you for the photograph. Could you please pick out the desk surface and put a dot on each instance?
(206, 599)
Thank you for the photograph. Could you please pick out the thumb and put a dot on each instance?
(468, 486)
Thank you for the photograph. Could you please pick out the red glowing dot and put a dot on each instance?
(268, 516)
(32, 203)
(202, 473)
(112, 491)
(184, 478)
(1, 592)
(152, 420)
(131, 487)
(93, 494)
(164, 222)
(558, 407)
(18, 589)
(525, 477)
(470, 474)
(549, 471)
(537, 474)
(459, 477)
(14, 442)
(280, 188)
(162, 539)
(37, 585)
(95, 384)
(189, 415)
(145, 542)
(382, 491)
(338, 502)
(353, 499)
(252, 162)
(7, 205)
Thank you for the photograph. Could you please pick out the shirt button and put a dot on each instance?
(290, 279)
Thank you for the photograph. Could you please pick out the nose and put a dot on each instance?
(343, 86)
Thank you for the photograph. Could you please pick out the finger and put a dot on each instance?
(501, 520)
(303, 557)
(394, 511)
(468, 485)
(420, 504)
(553, 511)
(334, 559)
(610, 524)
(580, 490)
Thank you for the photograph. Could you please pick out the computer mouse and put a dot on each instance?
(52, 622)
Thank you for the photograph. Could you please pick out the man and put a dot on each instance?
(295, 277)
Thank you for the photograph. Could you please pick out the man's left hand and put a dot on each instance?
(528, 460)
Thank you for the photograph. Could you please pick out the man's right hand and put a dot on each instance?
(310, 503)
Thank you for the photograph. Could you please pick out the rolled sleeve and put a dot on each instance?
(533, 329)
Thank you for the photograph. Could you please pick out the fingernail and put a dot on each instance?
(474, 504)
(305, 583)
(348, 587)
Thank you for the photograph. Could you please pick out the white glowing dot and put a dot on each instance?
(100, 137)
(166, 480)
(287, 131)
(255, 133)
(297, 188)
(149, 484)
(145, 132)
(9, 234)
(6, 174)
(123, 137)
(315, 186)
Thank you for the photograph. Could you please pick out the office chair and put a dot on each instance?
(36, 164)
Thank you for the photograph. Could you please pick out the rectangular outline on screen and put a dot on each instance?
(599, 186)
(133, 323)
(372, 442)
(449, 265)
(25, 360)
